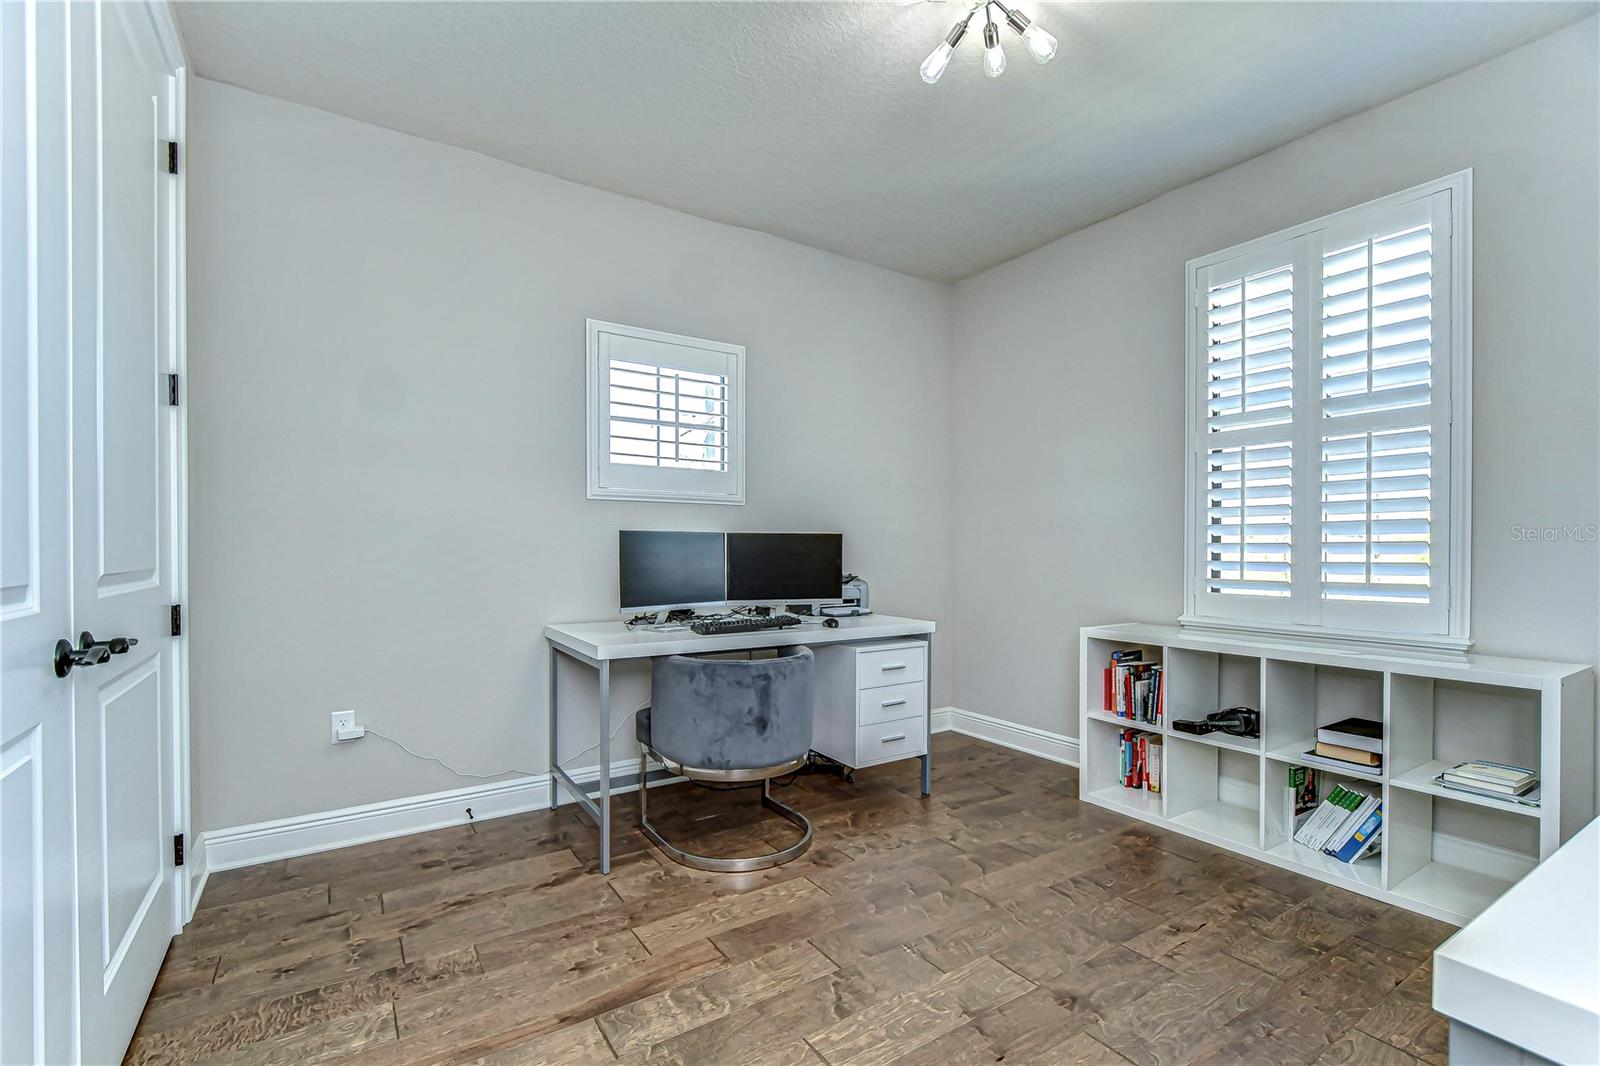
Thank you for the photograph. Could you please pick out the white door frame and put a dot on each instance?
(189, 879)
(191, 876)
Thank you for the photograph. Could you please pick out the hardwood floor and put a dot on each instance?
(997, 919)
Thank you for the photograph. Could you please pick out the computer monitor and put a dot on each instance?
(659, 571)
(785, 568)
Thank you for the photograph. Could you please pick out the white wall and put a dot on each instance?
(1067, 502)
(386, 350)
(386, 414)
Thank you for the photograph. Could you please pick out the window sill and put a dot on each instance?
(645, 496)
(1321, 636)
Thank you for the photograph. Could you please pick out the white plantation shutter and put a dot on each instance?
(1376, 516)
(665, 418)
(1249, 351)
(1323, 377)
(1245, 455)
(1377, 324)
(1383, 433)
(1248, 497)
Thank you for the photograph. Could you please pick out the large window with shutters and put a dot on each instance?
(666, 416)
(1329, 373)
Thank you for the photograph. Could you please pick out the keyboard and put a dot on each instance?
(716, 626)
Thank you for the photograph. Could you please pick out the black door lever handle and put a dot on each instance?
(66, 656)
(89, 652)
(114, 646)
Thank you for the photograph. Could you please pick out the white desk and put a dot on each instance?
(1521, 982)
(599, 644)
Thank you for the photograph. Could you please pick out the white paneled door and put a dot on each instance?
(37, 856)
(91, 753)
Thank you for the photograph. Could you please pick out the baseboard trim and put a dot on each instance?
(197, 865)
(1024, 738)
(307, 834)
(287, 838)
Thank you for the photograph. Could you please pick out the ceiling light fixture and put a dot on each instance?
(939, 58)
(994, 57)
(1041, 45)
(1038, 40)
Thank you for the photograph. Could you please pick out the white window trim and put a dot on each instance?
(597, 421)
(1459, 477)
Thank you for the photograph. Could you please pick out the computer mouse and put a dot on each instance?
(830, 623)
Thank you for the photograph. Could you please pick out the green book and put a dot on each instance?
(1348, 804)
(1302, 784)
(1328, 817)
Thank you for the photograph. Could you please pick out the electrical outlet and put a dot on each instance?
(344, 727)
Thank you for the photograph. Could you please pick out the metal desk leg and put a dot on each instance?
(927, 759)
(605, 767)
(600, 812)
(550, 703)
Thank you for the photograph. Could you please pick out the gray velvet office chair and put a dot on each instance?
(728, 721)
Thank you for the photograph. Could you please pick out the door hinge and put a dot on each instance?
(172, 157)
(177, 850)
(172, 390)
(177, 619)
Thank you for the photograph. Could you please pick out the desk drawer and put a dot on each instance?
(891, 703)
(889, 741)
(891, 666)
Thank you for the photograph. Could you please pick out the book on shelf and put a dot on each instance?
(1529, 798)
(1313, 828)
(1140, 760)
(1339, 840)
(1363, 840)
(1347, 823)
(1302, 784)
(1315, 759)
(1496, 781)
(1361, 734)
(1357, 756)
(1133, 687)
(1299, 793)
(1493, 776)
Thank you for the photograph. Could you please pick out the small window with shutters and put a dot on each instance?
(665, 416)
(1329, 425)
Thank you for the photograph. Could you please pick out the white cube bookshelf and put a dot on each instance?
(1445, 854)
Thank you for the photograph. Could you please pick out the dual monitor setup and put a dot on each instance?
(677, 572)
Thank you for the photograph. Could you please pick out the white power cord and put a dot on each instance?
(592, 747)
(433, 758)
(498, 773)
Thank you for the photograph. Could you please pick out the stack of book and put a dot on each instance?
(1353, 742)
(1494, 780)
(1133, 687)
(1141, 760)
(1348, 825)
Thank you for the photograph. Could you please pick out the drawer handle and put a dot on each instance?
(892, 703)
(891, 740)
(893, 666)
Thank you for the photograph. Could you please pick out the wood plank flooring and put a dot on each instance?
(997, 920)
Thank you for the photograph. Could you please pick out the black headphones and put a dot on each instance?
(1235, 721)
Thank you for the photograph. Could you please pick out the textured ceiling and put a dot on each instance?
(808, 120)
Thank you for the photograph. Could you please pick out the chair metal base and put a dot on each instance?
(710, 862)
